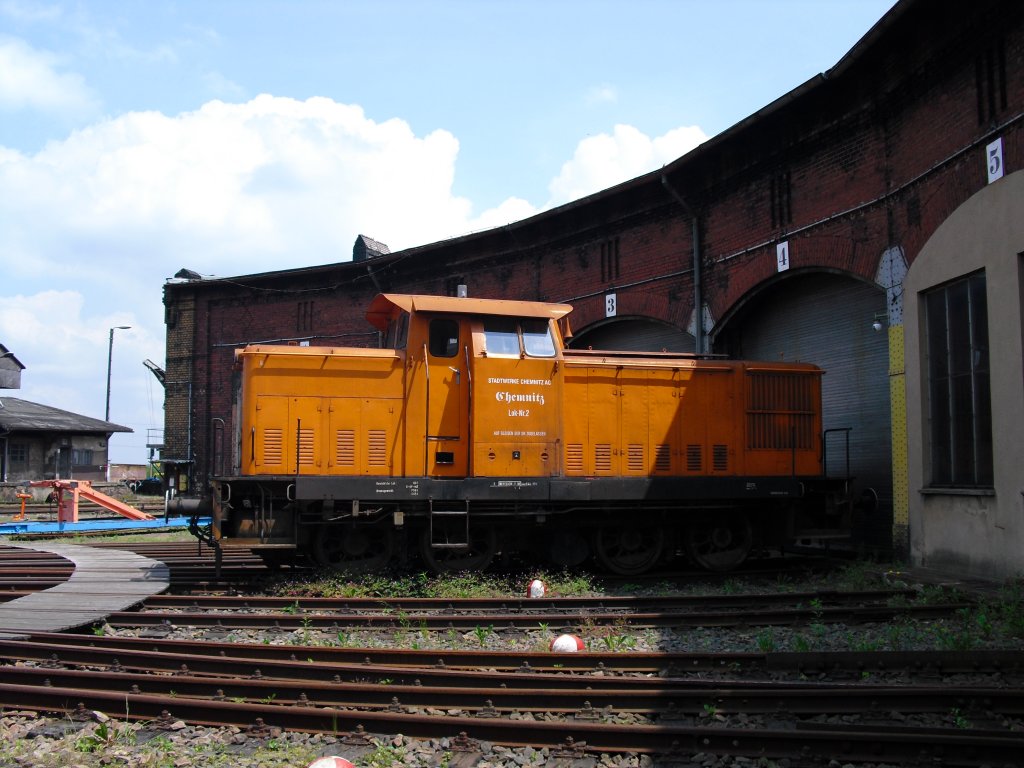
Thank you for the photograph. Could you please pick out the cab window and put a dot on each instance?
(501, 336)
(398, 332)
(537, 341)
(444, 337)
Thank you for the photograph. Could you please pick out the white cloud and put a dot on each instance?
(602, 94)
(61, 337)
(604, 160)
(92, 226)
(32, 79)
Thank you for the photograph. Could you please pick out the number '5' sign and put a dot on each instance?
(994, 157)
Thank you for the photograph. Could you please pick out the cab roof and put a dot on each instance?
(387, 305)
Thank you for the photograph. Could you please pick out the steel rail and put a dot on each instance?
(1002, 662)
(953, 748)
(442, 604)
(133, 659)
(510, 670)
(571, 621)
(671, 701)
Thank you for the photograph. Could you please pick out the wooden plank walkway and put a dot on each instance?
(103, 581)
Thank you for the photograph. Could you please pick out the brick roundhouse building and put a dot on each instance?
(868, 221)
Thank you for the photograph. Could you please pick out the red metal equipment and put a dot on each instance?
(68, 492)
(24, 497)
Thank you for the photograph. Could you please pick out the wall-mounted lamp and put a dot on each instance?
(878, 323)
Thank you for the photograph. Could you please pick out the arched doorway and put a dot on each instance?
(828, 319)
(639, 334)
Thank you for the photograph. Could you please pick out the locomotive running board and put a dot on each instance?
(453, 510)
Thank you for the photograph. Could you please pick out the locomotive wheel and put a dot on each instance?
(354, 548)
(720, 542)
(629, 550)
(483, 545)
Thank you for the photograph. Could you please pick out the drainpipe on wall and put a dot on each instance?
(373, 277)
(698, 298)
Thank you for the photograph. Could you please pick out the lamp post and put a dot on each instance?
(110, 358)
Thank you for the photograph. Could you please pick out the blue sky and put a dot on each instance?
(141, 136)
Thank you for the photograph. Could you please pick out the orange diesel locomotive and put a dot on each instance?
(474, 431)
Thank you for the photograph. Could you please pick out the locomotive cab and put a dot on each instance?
(486, 376)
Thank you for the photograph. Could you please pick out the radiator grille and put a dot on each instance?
(306, 443)
(345, 448)
(272, 442)
(377, 444)
(635, 457)
(662, 458)
(720, 458)
(574, 457)
(780, 411)
(694, 458)
(602, 457)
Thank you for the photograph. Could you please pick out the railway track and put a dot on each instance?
(609, 706)
(569, 615)
(86, 650)
(272, 665)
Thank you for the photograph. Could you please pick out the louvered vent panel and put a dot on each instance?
(305, 447)
(694, 458)
(662, 458)
(345, 448)
(602, 457)
(272, 442)
(377, 453)
(574, 457)
(780, 411)
(720, 458)
(635, 457)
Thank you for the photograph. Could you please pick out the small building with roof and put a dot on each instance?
(39, 442)
(10, 369)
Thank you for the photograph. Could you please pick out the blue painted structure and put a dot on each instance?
(119, 524)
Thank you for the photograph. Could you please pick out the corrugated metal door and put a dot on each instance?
(827, 320)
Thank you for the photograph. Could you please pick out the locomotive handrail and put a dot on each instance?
(426, 414)
(469, 407)
(261, 515)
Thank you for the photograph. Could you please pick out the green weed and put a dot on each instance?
(483, 633)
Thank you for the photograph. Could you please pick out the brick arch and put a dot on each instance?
(757, 291)
(640, 327)
(663, 306)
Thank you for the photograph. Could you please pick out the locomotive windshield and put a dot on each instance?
(537, 339)
(502, 337)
